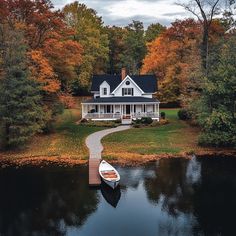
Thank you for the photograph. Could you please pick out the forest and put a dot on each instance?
(47, 56)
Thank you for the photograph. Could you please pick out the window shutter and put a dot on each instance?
(123, 91)
(132, 92)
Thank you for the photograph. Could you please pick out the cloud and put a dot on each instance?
(122, 12)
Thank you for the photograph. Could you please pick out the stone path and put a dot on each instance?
(94, 144)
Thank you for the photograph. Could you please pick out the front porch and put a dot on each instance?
(120, 111)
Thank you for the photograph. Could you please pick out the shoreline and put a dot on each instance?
(67, 162)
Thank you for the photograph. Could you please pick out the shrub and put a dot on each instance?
(219, 129)
(163, 115)
(184, 114)
(146, 120)
(84, 121)
(137, 121)
(117, 121)
(159, 123)
(137, 126)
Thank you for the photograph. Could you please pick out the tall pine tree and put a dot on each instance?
(21, 112)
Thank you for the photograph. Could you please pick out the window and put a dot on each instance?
(104, 91)
(127, 92)
(127, 82)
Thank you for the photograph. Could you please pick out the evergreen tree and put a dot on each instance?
(135, 47)
(21, 113)
(218, 101)
(153, 31)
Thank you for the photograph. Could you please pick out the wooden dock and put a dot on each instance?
(94, 177)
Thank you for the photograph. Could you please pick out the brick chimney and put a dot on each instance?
(123, 73)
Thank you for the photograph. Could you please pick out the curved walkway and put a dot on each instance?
(93, 141)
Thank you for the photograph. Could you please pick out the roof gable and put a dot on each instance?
(147, 83)
(123, 81)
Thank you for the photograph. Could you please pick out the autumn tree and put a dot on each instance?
(153, 31)
(48, 35)
(172, 57)
(90, 33)
(205, 11)
(21, 111)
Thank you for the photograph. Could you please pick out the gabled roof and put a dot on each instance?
(112, 80)
(148, 83)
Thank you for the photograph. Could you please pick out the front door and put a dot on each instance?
(127, 109)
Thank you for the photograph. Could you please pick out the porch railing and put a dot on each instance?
(119, 116)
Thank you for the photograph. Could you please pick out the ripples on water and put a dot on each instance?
(169, 197)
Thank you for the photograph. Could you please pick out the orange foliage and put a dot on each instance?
(172, 55)
(54, 55)
(67, 53)
(42, 71)
(172, 47)
(67, 100)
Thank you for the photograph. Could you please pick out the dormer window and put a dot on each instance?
(127, 92)
(104, 91)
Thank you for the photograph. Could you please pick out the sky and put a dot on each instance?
(122, 12)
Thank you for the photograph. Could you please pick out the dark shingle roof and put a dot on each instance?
(148, 83)
(112, 80)
(122, 100)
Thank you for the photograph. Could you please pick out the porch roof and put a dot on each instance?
(117, 100)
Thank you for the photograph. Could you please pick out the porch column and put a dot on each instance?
(158, 110)
(82, 110)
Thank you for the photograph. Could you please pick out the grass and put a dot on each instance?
(173, 138)
(67, 140)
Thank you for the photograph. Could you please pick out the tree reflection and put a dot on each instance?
(215, 199)
(44, 202)
(171, 185)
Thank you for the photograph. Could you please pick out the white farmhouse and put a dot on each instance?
(122, 97)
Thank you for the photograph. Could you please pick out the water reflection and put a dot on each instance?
(193, 172)
(111, 196)
(170, 197)
(44, 202)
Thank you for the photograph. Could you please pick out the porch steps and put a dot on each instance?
(126, 120)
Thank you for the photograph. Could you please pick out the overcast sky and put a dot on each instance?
(122, 12)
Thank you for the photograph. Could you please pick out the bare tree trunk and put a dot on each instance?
(205, 48)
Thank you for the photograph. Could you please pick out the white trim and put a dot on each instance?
(122, 103)
(123, 81)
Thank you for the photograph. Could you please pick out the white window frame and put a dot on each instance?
(104, 91)
(128, 91)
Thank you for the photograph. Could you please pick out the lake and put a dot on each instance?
(169, 197)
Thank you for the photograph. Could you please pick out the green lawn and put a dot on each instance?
(68, 139)
(173, 138)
